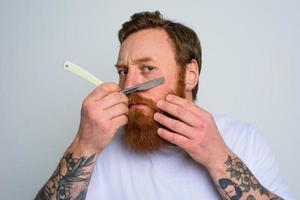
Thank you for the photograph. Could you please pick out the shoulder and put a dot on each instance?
(235, 130)
(249, 144)
(244, 139)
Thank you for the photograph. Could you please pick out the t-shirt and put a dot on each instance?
(170, 173)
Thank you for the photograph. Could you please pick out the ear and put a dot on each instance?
(191, 75)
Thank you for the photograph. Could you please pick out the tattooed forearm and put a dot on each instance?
(240, 172)
(241, 183)
(251, 197)
(70, 180)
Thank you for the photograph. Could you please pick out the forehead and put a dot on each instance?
(150, 43)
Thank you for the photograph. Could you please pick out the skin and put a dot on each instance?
(201, 139)
(230, 190)
(195, 131)
(105, 110)
(139, 62)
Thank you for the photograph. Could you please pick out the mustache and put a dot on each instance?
(138, 99)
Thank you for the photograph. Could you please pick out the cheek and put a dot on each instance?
(171, 83)
(159, 92)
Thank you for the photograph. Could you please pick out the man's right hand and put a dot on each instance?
(103, 112)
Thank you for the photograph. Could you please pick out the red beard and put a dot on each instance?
(141, 130)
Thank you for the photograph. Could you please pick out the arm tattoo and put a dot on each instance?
(245, 181)
(250, 197)
(63, 184)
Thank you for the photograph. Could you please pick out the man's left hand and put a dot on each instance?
(194, 130)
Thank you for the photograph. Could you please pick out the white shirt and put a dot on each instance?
(121, 174)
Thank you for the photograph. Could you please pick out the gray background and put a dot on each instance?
(250, 71)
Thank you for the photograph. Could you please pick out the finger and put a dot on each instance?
(174, 125)
(180, 112)
(185, 103)
(120, 120)
(116, 110)
(173, 138)
(103, 90)
(113, 99)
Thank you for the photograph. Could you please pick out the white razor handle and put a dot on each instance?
(82, 73)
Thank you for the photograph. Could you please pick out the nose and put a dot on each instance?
(133, 78)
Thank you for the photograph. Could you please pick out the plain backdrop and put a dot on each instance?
(250, 71)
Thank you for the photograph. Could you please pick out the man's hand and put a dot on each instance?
(194, 130)
(103, 112)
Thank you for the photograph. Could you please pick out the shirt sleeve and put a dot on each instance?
(265, 165)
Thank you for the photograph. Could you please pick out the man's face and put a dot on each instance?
(146, 55)
(230, 191)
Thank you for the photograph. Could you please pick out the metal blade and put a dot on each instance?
(144, 86)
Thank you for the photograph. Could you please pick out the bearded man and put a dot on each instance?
(157, 143)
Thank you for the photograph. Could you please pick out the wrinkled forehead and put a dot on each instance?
(149, 43)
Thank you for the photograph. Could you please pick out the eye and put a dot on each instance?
(123, 72)
(147, 68)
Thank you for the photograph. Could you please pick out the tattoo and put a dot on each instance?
(62, 184)
(232, 190)
(240, 172)
(245, 181)
(250, 197)
(81, 195)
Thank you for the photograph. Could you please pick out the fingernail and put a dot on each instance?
(159, 130)
(160, 103)
(156, 116)
(169, 97)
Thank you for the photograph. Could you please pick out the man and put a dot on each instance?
(232, 190)
(158, 144)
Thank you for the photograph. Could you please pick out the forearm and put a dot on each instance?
(103, 112)
(71, 178)
(235, 181)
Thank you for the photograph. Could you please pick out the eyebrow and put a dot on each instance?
(139, 60)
